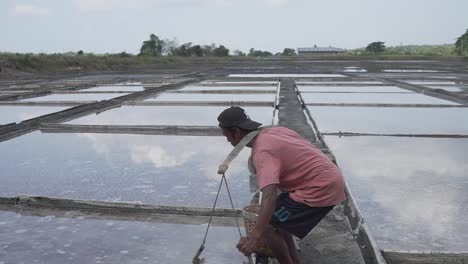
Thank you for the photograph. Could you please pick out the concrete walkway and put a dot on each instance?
(331, 241)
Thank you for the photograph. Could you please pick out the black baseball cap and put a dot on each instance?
(235, 116)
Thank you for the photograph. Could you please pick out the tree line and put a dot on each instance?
(157, 47)
(461, 46)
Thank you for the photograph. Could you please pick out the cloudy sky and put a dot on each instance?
(102, 26)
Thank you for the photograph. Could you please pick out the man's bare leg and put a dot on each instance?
(279, 246)
(288, 238)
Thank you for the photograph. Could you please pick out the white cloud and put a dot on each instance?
(30, 10)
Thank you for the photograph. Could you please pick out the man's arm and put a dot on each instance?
(247, 244)
(267, 207)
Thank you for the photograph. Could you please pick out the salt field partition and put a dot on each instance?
(340, 98)
(57, 240)
(353, 89)
(75, 97)
(164, 170)
(212, 97)
(411, 191)
(169, 115)
(391, 120)
(450, 88)
(16, 114)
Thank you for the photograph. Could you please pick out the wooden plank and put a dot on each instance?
(101, 206)
(414, 257)
(118, 216)
(369, 249)
(144, 130)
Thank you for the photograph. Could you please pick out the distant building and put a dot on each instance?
(319, 51)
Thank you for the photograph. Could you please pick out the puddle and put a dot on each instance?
(259, 83)
(429, 82)
(354, 69)
(354, 83)
(116, 88)
(169, 115)
(57, 240)
(213, 97)
(411, 191)
(75, 97)
(287, 75)
(342, 88)
(272, 89)
(391, 120)
(163, 170)
(416, 71)
(406, 98)
(16, 114)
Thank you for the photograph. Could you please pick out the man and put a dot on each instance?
(310, 184)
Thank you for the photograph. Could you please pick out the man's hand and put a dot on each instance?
(247, 245)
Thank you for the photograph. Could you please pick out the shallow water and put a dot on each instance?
(168, 170)
(57, 240)
(406, 98)
(169, 115)
(367, 89)
(75, 97)
(391, 120)
(213, 97)
(12, 114)
(411, 191)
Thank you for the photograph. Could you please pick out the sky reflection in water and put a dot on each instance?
(56, 240)
(167, 170)
(370, 98)
(391, 120)
(412, 191)
(169, 115)
(16, 114)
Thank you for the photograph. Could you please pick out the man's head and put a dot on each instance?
(236, 124)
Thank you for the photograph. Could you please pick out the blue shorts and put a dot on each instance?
(296, 218)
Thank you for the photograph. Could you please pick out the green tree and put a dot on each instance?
(258, 53)
(289, 52)
(152, 47)
(196, 51)
(221, 51)
(376, 47)
(80, 52)
(461, 45)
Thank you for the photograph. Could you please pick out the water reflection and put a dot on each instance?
(169, 115)
(231, 87)
(55, 240)
(412, 191)
(169, 170)
(130, 88)
(12, 114)
(406, 98)
(391, 120)
(76, 97)
(213, 97)
(281, 75)
(367, 89)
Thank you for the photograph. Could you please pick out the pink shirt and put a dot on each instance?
(283, 157)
